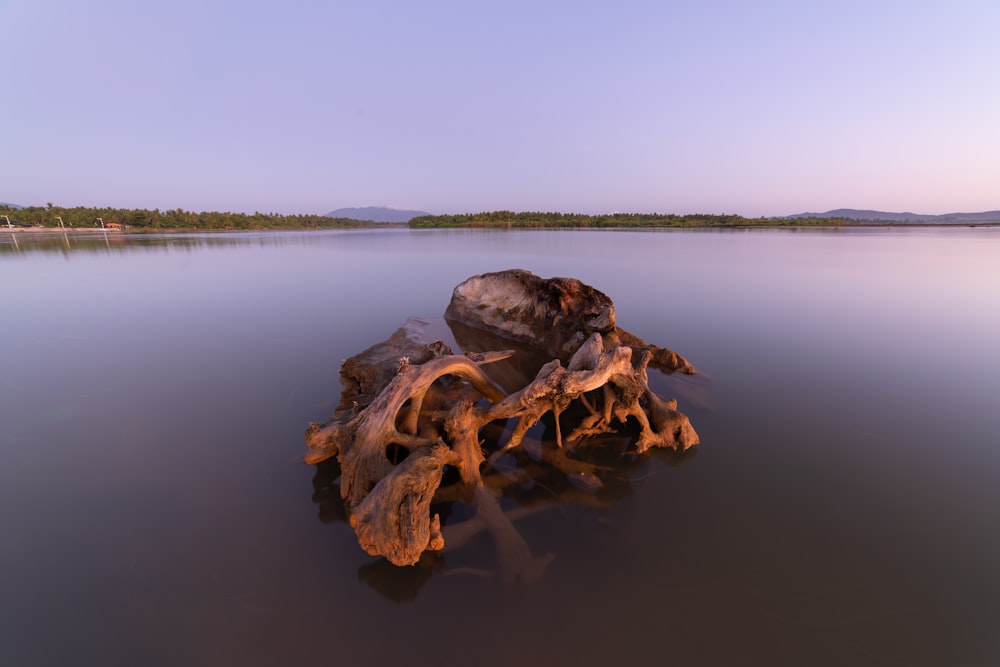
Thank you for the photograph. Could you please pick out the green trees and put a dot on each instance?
(177, 219)
(509, 219)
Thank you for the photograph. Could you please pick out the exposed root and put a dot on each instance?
(410, 409)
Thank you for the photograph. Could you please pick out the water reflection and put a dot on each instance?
(529, 483)
(105, 242)
(844, 510)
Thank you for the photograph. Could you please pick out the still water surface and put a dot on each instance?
(842, 509)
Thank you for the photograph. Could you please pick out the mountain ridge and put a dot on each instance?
(906, 216)
(376, 214)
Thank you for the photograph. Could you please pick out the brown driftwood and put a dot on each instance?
(554, 316)
(409, 410)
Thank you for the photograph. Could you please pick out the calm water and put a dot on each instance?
(843, 508)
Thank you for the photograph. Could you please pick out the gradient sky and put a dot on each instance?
(756, 108)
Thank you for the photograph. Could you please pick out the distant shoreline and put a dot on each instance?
(58, 230)
(386, 226)
(86, 220)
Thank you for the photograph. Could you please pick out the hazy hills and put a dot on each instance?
(912, 218)
(376, 214)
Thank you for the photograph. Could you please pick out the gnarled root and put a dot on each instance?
(409, 410)
(394, 520)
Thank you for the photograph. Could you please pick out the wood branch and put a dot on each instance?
(363, 377)
(363, 459)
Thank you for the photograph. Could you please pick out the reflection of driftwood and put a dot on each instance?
(410, 412)
(399, 584)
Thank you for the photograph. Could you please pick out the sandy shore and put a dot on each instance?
(55, 230)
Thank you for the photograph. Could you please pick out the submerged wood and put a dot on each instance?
(411, 410)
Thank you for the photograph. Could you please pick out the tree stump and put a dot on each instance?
(410, 411)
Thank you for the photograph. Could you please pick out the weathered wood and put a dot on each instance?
(409, 409)
(555, 315)
(394, 520)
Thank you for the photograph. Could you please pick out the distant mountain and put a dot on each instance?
(885, 216)
(10, 205)
(376, 214)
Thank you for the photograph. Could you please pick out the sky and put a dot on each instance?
(761, 108)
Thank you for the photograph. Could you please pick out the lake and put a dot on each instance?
(843, 507)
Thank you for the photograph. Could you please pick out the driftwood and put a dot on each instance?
(412, 413)
(554, 316)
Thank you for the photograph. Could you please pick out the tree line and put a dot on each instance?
(177, 219)
(510, 219)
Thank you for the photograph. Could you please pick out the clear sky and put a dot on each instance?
(761, 107)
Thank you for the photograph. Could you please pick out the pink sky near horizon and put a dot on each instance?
(769, 108)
